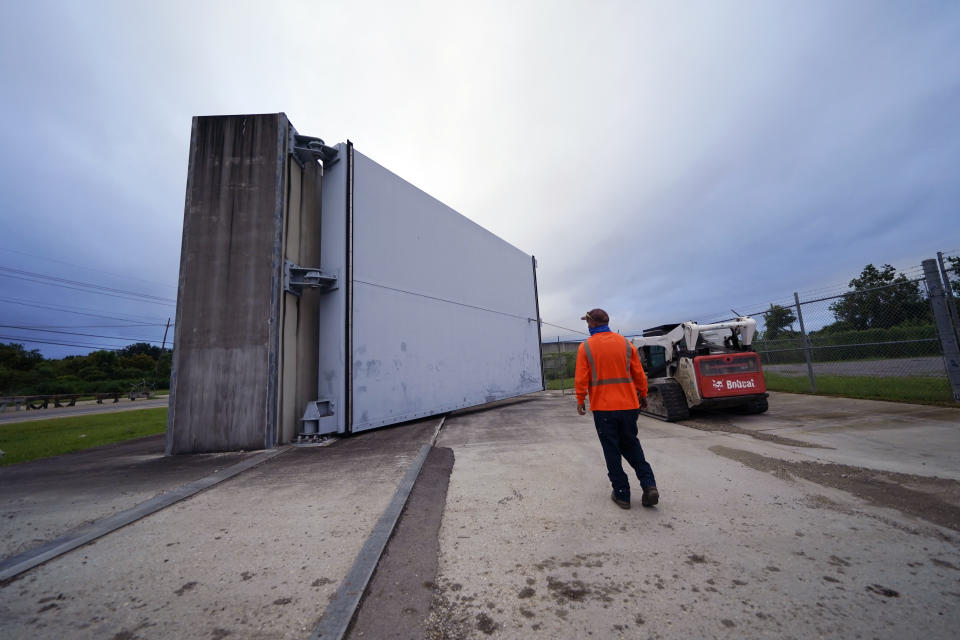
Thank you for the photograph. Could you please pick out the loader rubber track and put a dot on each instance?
(666, 401)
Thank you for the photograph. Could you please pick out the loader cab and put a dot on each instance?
(654, 358)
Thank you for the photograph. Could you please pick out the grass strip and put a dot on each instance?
(33, 439)
(914, 389)
(558, 384)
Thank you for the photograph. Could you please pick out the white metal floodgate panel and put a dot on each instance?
(444, 312)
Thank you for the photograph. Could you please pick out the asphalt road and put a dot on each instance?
(823, 517)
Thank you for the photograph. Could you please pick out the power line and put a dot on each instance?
(583, 333)
(62, 344)
(73, 333)
(54, 281)
(74, 310)
(70, 264)
(91, 326)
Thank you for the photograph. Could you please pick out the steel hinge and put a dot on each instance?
(297, 278)
(306, 149)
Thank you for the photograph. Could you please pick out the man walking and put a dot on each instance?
(608, 367)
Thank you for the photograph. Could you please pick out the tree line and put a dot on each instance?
(26, 372)
(879, 298)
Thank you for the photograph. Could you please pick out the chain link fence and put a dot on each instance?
(894, 335)
(897, 339)
(559, 363)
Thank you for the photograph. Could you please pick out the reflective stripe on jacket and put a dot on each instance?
(608, 367)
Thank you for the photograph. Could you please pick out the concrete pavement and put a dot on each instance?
(255, 557)
(532, 546)
(824, 517)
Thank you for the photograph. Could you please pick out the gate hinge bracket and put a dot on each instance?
(297, 278)
(306, 149)
(315, 413)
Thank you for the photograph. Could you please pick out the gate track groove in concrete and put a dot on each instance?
(397, 602)
(336, 618)
(15, 565)
(44, 499)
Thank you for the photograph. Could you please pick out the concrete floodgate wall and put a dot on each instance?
(429, 312)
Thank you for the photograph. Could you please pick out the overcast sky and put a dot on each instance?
(663, 160)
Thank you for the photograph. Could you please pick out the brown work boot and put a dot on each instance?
(622, 502)
(650, 497)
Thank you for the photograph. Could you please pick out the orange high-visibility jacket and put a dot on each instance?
(609, 367)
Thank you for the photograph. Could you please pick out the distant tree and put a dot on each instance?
(103, 360)
(14, 356)
(92, 373)
(777, 319)
(953, 274)
(138, 362)
(163, 367)
(881, 298)
(140, 348)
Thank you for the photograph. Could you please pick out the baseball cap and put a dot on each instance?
(597, 315)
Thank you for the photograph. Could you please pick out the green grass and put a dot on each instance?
(23, 441)
(916, 389)
(555, 384)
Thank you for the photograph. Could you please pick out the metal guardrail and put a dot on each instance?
(60, 400)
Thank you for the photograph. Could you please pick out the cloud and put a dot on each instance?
(665, 161)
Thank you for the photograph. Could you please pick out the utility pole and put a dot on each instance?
(164, 344)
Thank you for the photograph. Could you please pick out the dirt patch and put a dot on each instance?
(574, 590)
(933, 499)
(721, 423)
(447, 620)
(591, 560)
(486, 624)
(886, 592)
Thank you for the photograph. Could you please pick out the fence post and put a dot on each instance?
(948, 340)
(806, 344)
(563, 368)
(952, 309)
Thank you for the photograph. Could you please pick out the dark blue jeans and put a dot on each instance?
(617, 431)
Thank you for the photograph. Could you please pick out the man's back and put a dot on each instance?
(608, 367)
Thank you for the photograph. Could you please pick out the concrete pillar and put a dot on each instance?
(235, 378)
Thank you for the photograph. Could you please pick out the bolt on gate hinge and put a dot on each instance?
(297, 278)
(307, 148)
